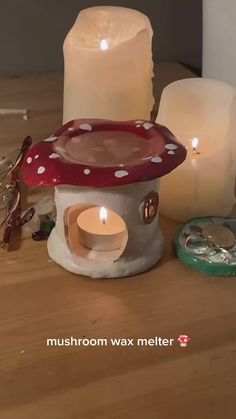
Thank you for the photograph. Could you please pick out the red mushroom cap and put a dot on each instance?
(183, 339)
(101, 153)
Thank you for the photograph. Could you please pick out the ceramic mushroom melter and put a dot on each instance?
(106, 178)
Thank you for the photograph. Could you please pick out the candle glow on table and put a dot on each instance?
(201, 114)
(100, 229)
(108, 65)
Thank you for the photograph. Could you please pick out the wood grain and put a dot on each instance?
(39, 300)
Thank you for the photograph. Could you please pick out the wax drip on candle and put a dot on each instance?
(103, 215)
(104, 44)
(195, 143)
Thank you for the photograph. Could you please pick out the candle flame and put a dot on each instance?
(104, 44)
(103, 215)
(195, 144)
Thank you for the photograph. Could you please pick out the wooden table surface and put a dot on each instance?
(39, 300)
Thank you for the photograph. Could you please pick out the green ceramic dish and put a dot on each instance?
(216, 262)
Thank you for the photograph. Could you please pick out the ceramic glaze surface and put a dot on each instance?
(101, 153)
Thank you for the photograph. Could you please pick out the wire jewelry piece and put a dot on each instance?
(10, 194)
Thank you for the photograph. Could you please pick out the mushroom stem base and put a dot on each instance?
(122, 267)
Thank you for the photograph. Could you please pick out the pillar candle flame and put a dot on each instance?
(195, 143)
(103, 215)
(103, 44)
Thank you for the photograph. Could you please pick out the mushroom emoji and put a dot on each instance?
(115, 166)
(183, 340)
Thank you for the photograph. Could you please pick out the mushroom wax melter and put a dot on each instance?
(106, 183)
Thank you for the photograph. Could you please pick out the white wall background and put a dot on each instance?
(219, 40)
(32, 31)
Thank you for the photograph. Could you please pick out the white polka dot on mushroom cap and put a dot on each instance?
(156, 159)
(171, 152)
(54, 156)
(121, 173)
(41, 170)
(148, 125)
(87, 171)
(86, 127)
(49, 139)
(171, 146)
(36, 157)
(29, 160)
(70, 129)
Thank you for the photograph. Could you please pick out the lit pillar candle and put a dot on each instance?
(108, 65)
(100, 229)
(201, 114)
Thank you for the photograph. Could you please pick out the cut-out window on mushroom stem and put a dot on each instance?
(149, 207)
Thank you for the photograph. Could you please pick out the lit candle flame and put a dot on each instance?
(103, 215)
(103, 44)
(195, 143)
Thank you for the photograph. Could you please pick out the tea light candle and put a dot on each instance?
(108, 65)
(100, 229)
(201, 114)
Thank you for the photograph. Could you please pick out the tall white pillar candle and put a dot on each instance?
(201, 114)
(108, 65)
(219, 40)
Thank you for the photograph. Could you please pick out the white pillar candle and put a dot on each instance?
(201, 114)
(108, 65)
(219, 40)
